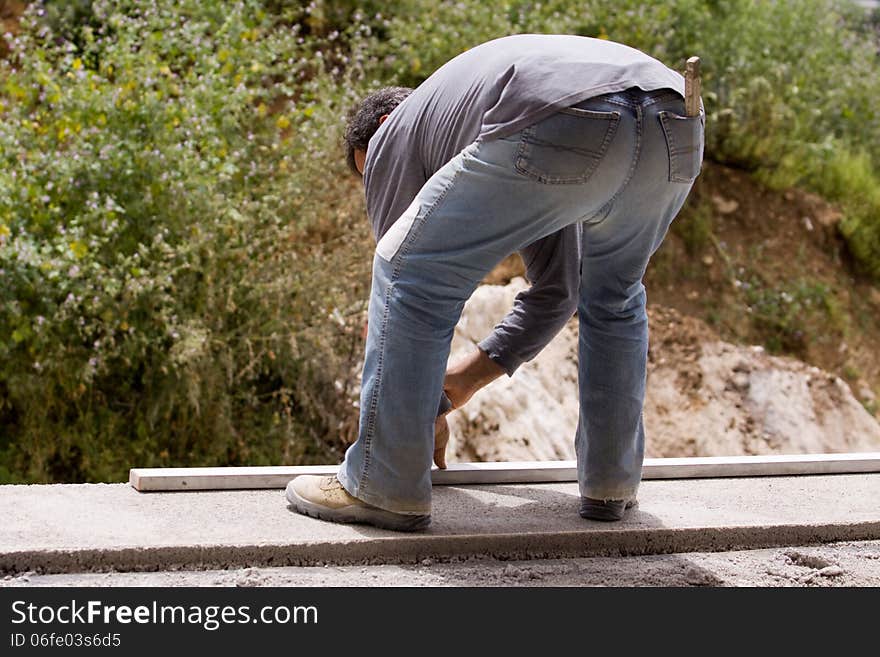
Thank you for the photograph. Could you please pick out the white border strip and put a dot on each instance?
(514, 472)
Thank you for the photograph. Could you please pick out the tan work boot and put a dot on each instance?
(325, 498)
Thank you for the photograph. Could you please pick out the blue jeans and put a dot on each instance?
(621, 164)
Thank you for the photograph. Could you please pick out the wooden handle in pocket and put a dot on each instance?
(692, 86)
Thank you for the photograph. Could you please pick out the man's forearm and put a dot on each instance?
(469, 374)
(538, 314)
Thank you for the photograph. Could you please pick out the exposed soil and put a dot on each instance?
(10, 16)
(710, 397)
(769, 267)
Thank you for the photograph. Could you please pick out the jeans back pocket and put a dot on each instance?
(567, 146)
(684, 140)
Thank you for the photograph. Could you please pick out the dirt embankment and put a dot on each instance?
(10, 15)
(705, 396)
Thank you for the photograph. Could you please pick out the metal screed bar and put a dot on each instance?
(514, 472)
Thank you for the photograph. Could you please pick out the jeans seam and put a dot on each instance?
(521, 147)
(374, 397)
(395, 275)
(605, 209)
(670, 142)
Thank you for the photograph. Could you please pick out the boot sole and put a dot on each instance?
(371, 515)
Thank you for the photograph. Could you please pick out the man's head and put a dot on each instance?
(365, 118)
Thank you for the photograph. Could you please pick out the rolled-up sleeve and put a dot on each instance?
(539, 312)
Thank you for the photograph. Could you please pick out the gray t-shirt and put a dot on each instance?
(487, 92)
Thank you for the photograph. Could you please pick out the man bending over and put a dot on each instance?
(575, 152)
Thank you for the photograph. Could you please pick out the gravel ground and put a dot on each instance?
(836, 564)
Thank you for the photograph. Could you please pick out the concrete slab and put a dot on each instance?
(98, 527)
(846, 564)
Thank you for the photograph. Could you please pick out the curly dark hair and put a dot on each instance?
(363, 119)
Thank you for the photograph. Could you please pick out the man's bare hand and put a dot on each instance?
(462, 380)
(441, 438)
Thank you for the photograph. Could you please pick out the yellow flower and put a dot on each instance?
(4, 230)
(77, 64)
(79, 249)
(282, 122)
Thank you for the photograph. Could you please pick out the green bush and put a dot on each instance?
(851, 176)
(694, 227)
(184, 258)
(788, 314)
(181, 249)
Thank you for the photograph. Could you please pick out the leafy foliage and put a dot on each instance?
(179, 286)
(183, 257)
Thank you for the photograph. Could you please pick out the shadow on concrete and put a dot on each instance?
(544, 542)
